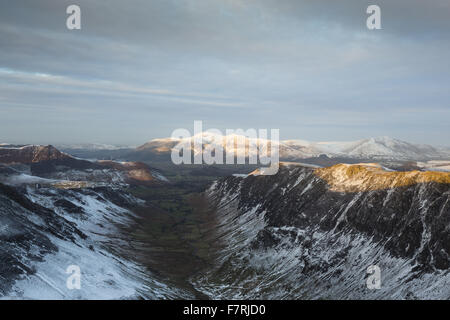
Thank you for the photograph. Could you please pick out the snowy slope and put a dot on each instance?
(384, 148)
(290, 236)
(44, 231)
(91, 146)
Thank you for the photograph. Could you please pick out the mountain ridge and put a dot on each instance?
(291, 236)
(50, 163)
(30, 154)
(371, 148)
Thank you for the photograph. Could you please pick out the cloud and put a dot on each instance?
(158, 65)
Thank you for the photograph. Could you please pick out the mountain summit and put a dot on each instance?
(30, 154)
(381, 148)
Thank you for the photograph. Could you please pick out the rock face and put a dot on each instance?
(310, 233)
(57, 211)
(46, 230)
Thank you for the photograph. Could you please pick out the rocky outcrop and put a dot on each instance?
(371, 176)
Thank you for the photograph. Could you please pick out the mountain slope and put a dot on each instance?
(57, 211)
(46, 230)
(48, 162)
(30, 154)
(295, 236)
(382, 148)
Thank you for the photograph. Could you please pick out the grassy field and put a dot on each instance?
(172, 234)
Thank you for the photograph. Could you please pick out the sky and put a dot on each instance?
(138, 70)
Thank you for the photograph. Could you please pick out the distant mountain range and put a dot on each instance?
(378, 149)
(92, 146)
(308, 232)
(382, 148)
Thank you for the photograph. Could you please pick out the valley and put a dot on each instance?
(233, 150)
(153, 230)
(174, 240)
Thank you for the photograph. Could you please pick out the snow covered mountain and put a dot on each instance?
(307, 232)
(91, 146)
(57, 211)
(241, 146)
(310, 233)
(47, 229)
(383, 148)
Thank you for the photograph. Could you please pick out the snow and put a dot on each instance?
(332, 266)
(26, 179)
(240, 175)
(102, 277)
(159, 176)
(435, 165)
(377, 148)
(382, 147)
(92, 146)
(12, 147)
(106, 271)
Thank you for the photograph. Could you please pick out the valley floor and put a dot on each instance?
(172, 236)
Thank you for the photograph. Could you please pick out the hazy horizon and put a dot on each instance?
(77, 144)
(138, 70)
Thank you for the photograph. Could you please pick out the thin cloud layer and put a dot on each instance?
(140, 69)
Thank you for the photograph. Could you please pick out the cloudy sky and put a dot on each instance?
(139, 69)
